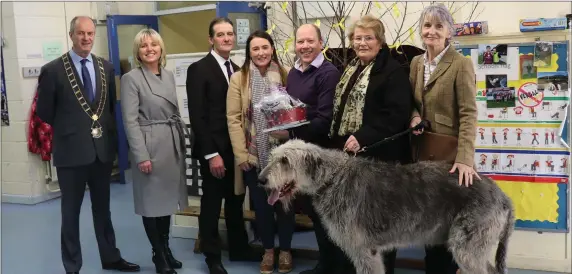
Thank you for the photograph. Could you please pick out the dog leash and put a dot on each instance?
(422, 125)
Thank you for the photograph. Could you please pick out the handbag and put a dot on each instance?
(431, 146)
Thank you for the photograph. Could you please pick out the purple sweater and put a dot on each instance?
(316, 88)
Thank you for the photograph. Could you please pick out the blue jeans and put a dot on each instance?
(265, 222)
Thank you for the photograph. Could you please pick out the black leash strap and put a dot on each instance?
(422, 125)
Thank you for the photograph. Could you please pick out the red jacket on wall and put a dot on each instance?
(39, 134)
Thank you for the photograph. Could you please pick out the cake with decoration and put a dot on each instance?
(281, 110)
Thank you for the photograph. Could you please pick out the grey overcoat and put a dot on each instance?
(154, 132)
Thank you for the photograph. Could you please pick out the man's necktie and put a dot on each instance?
(87, 81)
(228, 71)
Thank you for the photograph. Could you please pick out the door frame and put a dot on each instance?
(224, 8)
(113, 21)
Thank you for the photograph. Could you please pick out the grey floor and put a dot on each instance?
(31, 241)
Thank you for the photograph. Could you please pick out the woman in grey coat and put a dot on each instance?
(155, 133)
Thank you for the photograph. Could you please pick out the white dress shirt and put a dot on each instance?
(221, 62)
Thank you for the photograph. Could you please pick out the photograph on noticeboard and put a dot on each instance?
(527, 68)
(496, 81)
(555, 83)
(500, 97)
(543, 54)
(491, 54)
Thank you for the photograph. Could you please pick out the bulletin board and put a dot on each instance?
(522, 139)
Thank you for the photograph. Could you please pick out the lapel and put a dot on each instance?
(218, 74)
(98, 79)
(443, 65)
(245, 92)
(156, 85)
(419, 87)
(235, 67)
(381, 68)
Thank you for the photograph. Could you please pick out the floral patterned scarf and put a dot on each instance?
(352, 115)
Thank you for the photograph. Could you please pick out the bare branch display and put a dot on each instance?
(399, 18)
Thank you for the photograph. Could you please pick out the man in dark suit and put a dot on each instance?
(76, 96)
(207, 85)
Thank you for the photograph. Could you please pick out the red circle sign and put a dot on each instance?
(529, 96)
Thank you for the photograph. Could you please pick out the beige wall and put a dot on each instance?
(186, 32)
(167, 5)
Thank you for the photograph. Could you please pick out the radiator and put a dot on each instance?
(194, 178)
(51, 177)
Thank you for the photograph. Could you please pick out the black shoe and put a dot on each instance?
(172, 261)
(161, 262)
(246, 255)
(318, 269)
(75, 272)
(122, 266)
(216, 268)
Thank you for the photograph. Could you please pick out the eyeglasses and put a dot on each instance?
(367, 39)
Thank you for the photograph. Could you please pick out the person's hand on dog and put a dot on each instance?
(216, 166)
(465, 172)
(352, 145)
(280, 135)
(414, 122)
(246, 166)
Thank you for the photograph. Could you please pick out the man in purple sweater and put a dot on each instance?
(313, 81)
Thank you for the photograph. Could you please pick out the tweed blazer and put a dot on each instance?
(448, 101)
(238, 100)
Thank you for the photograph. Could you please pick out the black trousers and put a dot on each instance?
(266, 223)
(72, 181)
(438, 260)
(214, 191)
(332, 258)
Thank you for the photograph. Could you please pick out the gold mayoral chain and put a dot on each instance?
(96, 129)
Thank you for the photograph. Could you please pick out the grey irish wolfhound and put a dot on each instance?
(369, 206)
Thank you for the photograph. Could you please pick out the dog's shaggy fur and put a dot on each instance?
(369, 207)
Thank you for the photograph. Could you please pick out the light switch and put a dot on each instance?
(30, 72)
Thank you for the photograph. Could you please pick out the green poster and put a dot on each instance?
(52, 50)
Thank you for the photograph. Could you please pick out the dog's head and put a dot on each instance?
(292, 168)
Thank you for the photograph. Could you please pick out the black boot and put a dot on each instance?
(160, 260)
(164, 225)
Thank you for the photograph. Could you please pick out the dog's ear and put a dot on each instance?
(264, 173)
(312, 161)
(284, 160)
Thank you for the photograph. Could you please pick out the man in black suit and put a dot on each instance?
(77, 98)
(207, 85)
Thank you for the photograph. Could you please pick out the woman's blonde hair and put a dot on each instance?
(154, 35)
(368, 22)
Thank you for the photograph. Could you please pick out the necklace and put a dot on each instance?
(96, 128)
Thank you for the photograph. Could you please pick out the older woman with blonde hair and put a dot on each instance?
(155, 133)
(373, 101)
(445, 95)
